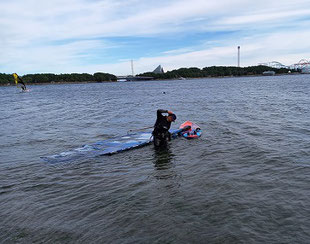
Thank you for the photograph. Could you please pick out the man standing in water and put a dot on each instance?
(162, 125)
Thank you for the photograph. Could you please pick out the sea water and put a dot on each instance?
(246, 180)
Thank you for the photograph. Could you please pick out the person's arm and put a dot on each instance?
(160, 112)
(164, 111)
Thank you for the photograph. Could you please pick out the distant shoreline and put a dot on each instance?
(189, 78)
(59, 83)
(178, 74)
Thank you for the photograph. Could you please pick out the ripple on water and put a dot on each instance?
(244, 181)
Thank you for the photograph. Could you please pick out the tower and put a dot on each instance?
(132, 72)
(238, 56)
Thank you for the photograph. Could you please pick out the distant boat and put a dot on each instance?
(182, 78)
(269, 73)
(121, 80)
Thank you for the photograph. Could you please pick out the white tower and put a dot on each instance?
(132, 72)
(238, 56)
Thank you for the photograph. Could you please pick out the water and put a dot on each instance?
(246, 180)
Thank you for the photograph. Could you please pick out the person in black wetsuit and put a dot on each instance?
(162, 125)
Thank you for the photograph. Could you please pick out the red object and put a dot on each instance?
(193, 132)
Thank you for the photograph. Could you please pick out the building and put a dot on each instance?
(158, 70)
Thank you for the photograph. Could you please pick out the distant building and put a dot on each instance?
(159, 70)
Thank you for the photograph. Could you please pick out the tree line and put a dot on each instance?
(216, 71)
(213, 71)
(6, 79)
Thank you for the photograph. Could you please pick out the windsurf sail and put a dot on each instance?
(194, 130)
(19, 81)
(107, 147)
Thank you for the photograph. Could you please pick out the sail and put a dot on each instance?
(18, 80)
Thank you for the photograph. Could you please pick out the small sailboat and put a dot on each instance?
(19, 83)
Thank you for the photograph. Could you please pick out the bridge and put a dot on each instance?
(134, 78)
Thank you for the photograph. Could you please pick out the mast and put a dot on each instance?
(132, 72)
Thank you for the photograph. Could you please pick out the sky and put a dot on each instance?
(88, 36)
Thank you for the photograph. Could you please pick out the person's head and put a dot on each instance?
(171, 117)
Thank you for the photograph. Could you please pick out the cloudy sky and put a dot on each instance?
(76, 36)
